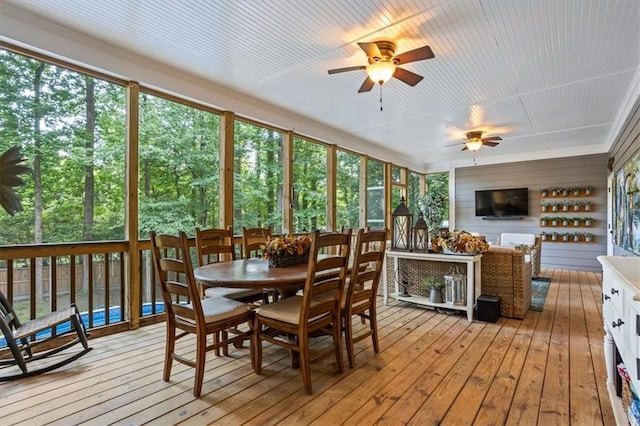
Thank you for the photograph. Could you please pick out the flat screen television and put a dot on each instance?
(502, 202)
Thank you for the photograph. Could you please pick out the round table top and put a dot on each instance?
(250, 273)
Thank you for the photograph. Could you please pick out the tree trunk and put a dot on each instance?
(89, 145)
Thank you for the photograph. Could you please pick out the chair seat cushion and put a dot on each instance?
(221, 308)
(286, 310)
(231, 293)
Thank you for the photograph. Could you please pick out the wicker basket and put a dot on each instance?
(282, 261)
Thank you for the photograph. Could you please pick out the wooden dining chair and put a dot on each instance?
(253, 242)
(187, 313)
(216, 245)
(360, 296)
(316, 310)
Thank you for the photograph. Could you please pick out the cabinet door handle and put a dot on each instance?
(614, 291)
(618, 323)
(607, 297)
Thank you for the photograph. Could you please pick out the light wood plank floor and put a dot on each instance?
(433, 368)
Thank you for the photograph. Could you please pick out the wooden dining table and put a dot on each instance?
(253, 273)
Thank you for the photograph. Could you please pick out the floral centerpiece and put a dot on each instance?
(286, 251)
(460, 242)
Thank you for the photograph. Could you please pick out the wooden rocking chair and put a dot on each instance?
(25, 350)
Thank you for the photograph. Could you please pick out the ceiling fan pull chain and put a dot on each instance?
(380, 97)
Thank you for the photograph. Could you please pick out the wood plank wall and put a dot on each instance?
(558, 172)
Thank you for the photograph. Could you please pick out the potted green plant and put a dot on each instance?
(544, 192)
(576, 221)
(588, 238)
(544, 220)
(435, 285)
(565, 221)
(576, 236)
(588, 221)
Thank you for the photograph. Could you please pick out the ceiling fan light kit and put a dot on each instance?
(380, 72)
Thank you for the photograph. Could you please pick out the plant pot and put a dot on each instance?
(554, 223)
(554, 238)
(565, 192)
(588, 239)
(576, 192)
(554, 193)
(554, 208)
(565, 238)
(565, 223)
(435, 295)
(576, 238)
(576, 208)
(576, 223)
(587, 207)
(588, 191)
(588, 222)
(543, 223)
(544, 193)
(543, 237)
(565, 208)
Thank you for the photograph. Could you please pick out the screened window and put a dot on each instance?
(375, 194)
(348, 189)
(439, 183)
(70, 128)
(258, 168)
(413, 192)
(179, 178)
(310, 185)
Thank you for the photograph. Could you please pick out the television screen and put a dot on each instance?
(502, 202)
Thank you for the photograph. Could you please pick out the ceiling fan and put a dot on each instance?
(384, 64)
(475, 141)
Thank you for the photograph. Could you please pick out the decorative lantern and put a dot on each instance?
(455, 286)
(401, 229)
(420, 235)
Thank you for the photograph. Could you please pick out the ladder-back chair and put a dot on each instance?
(187, 313)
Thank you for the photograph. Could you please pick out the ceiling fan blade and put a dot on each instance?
(371, 49)
(407, 76)
(338, 70)
(486, 143)
(419, 54)
(492, 138)
(366, 86)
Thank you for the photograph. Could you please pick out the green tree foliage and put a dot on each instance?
(43, 111)
(375, 194)
(348, 189)
(179, 173)
(258, 172)
(310, 183)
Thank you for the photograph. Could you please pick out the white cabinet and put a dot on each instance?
(471, 263)
(621, 312)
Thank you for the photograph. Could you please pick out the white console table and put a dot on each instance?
(472, 264)
(621, 312)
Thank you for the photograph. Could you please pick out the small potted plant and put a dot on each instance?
(435, 285)
(588, 190)
(565, 206)
(588, 238)
(554, 236)
(576, 236)
(576, 191)
(544, 236)
(576, 205)
(588, 221)
(555, 192)
(565, 221)
(565, 236)
(576, 221)
(544, 192)
(587, 206)
(554, 221)
(544, 220)
(565, 191)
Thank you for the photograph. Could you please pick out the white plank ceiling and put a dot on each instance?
(553, 78)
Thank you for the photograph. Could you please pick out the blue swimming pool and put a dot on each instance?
(98, 320)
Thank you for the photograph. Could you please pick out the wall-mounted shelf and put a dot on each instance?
(566, 192)
(563, 222)
(582, 238)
